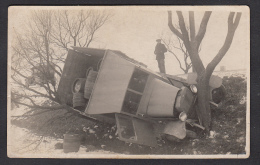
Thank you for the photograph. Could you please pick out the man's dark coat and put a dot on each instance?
(160, 49)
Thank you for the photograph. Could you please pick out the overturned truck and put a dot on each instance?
(108, 86)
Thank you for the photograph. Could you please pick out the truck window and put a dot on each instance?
(131, 102)
(135, 91)
(138, 80)
(126, 128)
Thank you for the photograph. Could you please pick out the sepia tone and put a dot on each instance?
(128, 82)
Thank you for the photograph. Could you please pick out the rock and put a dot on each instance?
(95, 126)
(225, 136)
(240, 140)
(110, 137)
(212, 134)
(113, 128)
(85, 129)
(243, 100)
(91, 131)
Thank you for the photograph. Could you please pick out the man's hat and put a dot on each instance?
(158, 40)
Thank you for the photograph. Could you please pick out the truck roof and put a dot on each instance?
(100, 52)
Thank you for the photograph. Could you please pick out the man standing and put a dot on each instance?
(160, 49)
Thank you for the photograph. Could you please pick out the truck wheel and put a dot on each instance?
(218, 94)
(78, 85)
(99, 64)
(88, 70)
(79, 102)
(90, 83)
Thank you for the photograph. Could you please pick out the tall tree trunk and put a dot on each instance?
(204, 111)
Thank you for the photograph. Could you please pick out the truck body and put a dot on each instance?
(143, 104)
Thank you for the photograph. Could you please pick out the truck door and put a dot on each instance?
(134, 130)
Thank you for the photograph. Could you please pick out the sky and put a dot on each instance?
(133, 30)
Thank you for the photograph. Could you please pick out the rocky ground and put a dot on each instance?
(42, 135)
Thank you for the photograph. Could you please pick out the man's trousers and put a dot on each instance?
(161, 65)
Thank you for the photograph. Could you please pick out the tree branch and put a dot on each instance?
(48, 109)
(184, 31)
(192, 25)
(172, 28)
(203, 28)
(228, 41)
(41, 94)
(177, 60)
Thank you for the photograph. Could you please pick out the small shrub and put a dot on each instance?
(235, 89)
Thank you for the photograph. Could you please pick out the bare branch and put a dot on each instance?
(25, 87)
(170, 45)
(203, 28)
(183, 30)
(44, 47)
(172, 28)
(192, 25)
(48, 109)
(177, 60)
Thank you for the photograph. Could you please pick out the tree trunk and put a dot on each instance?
(204, 111)
(193, 70)
(74, 41)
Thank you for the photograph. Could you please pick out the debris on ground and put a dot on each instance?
(90, 148)
(212, 134)
(91, 131)
(228, 134)
(59, 146)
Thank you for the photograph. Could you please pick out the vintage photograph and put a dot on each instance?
(128, 82)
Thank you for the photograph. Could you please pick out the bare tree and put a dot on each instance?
(42, 48)
(179, 52)
(78, 28)
(192, 42)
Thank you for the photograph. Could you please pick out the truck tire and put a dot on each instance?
(78, 85)
(88, 70)
(218, 94)
(90, 83)
(79, 102)
(99, 64)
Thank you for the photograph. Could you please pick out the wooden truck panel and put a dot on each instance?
(110, 87)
